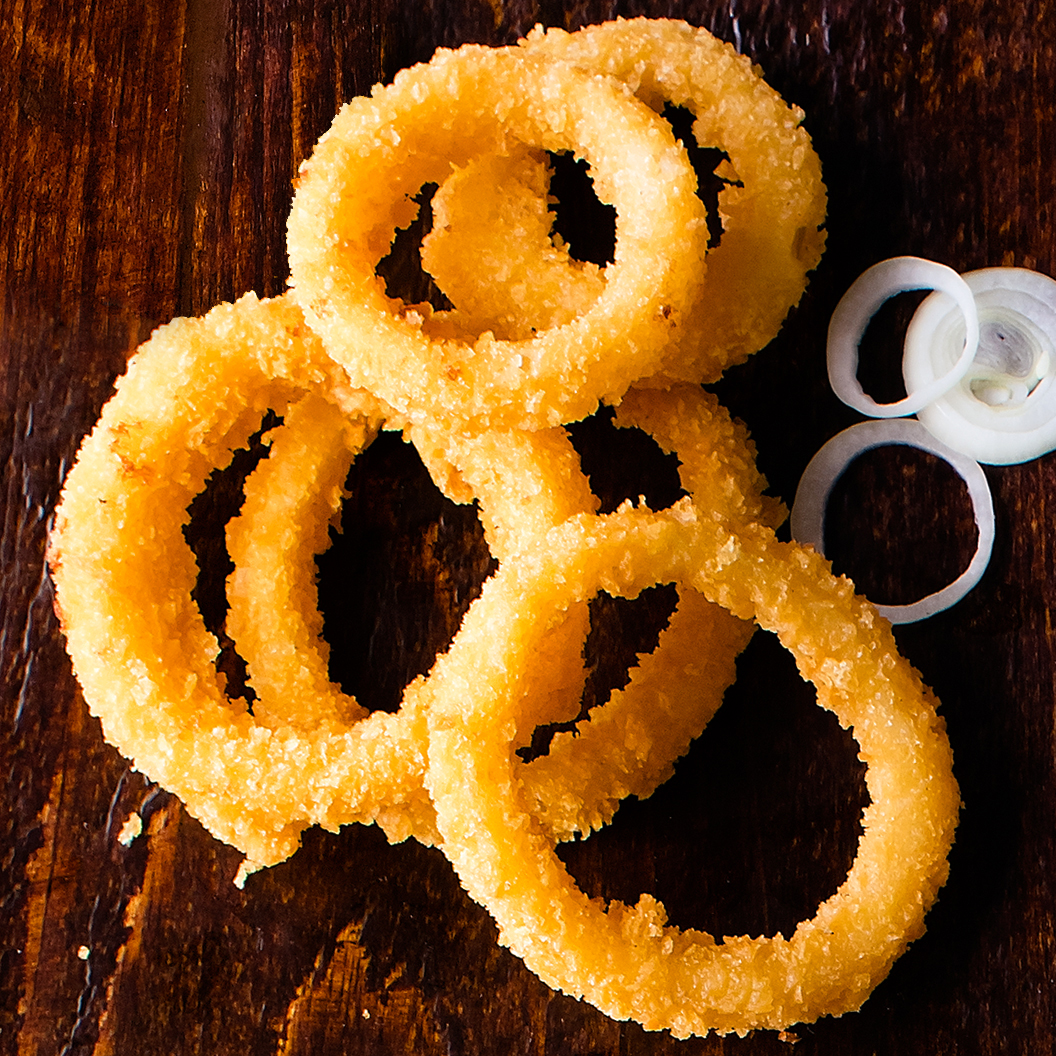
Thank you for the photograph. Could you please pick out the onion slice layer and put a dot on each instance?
(861, 302)
(1003, 410)
(829, 464)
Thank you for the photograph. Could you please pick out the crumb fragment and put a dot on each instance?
(245, 870)
(129, 831)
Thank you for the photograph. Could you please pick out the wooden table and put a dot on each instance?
(149, 150)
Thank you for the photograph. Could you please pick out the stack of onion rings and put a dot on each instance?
(483, 391)
(258, 780)
(272, 605)
(772, 205)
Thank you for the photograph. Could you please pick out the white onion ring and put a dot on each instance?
(1002, 411)
(829, 464)
(858, 305)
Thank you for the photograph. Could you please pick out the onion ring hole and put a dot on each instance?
(402, 270)
(399, 576)
(711, 164)
(207, 515)
(884, 555)
(880, 349)
(621, 464)
(621, 629)
(624, 463)
(583, 222)
(769, 746)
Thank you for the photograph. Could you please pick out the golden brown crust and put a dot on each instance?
(625, 959)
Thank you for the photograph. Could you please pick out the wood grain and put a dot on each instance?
(150, 151)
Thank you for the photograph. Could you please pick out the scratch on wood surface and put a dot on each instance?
(39, 872)
(333, 1007)
(156, 882)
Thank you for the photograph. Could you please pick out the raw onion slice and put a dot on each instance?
(861, 302)
(1003, 410)
(829, 464)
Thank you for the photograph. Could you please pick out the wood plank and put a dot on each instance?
(151, 151)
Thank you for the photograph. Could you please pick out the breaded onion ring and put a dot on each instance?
(358, 187)
(627, 960)
(124, 573)
(526, 483)
(493, 211)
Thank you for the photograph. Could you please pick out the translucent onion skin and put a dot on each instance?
(996, 416)
(829, 464)
(858, 305)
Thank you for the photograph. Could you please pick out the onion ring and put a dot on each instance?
(294, 495)
(772, 212)
(625, 748)
(858, 305)
(625, 960)
(829, 464)
(357, 188)
(1003, 410)
(192, 394)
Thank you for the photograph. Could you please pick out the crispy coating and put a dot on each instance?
(494, 210)
(527, 483)
(626, 959)
(358, 187)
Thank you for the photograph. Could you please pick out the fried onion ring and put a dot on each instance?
(193, 394)
(526, 484)
(124, 576)
(627, 960)
(358, 186)
(493, 211)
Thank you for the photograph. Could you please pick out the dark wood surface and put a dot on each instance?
(148, 154)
